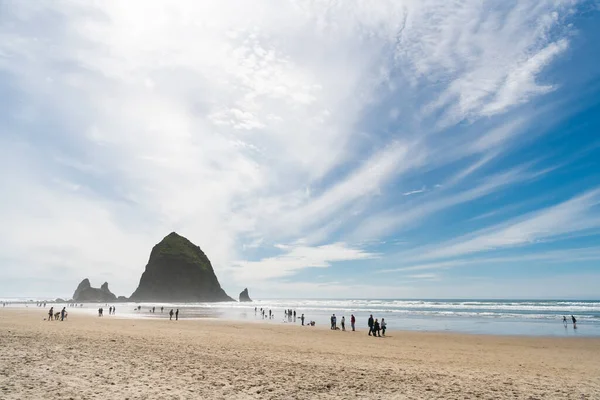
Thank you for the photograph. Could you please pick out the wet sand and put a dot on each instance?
(110, 358)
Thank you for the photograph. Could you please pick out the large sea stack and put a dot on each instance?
(85, 293)
(178, 271)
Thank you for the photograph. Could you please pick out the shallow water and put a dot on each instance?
(503, 317)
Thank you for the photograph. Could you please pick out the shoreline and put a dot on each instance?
(90, 357)
(210, 313)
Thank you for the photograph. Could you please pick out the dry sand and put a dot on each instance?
(110, 358)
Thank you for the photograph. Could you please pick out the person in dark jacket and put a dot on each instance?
(376, 328)
(171, 314)
(371, 324)
(574, 322)
(177, 315)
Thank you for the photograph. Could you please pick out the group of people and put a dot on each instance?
(111, 311)
(289, 315)
(375, 327)
(572, 319)
(265, 313)
(56, 315)
(43, 304)
(334, 326)
(176, 315)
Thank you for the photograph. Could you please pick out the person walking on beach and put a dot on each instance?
(352, 321)
(153, 310)
(110, 310)
(383, 326)
(343, 323)
(376, 328)
(62, 313)
(177, 315)
(171, 315)
(565, 321)
(574, 322)
(50, 313)
(161, 309)
(114, 310)
(302, 319)
(100, 312)
(370, 323)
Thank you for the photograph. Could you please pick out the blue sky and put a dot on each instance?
(312, 149)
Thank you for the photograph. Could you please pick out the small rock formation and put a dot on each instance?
(85, 293)
(122, 299)
(244, 296)
(178, 271)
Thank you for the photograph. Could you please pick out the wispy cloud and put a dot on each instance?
(568, 256)
(413, 192)
(295, 258)
(409, 214)
(576, 215)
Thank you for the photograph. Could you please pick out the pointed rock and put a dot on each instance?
(178, 271)
(85, 284)
(244, 296)
(85, 293)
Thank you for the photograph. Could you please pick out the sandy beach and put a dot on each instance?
(110, 358)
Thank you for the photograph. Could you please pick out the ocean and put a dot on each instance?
(501, 317)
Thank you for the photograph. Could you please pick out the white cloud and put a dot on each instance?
(295, 258)
(240, 124)
(424, 276)
(410, 193)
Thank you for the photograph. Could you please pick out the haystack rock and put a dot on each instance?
(178, 271)
(85, 293)
(244, 296)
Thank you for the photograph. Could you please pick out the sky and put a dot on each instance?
(324, 149)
